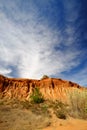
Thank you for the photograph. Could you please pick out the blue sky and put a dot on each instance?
(44, 37)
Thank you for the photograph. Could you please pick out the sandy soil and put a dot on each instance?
(69, 124)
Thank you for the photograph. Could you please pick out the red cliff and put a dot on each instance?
(51, 88)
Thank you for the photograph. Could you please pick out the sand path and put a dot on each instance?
(69, 124)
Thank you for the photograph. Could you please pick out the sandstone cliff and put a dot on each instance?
(51, 88)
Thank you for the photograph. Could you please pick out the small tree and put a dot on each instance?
(36, 96)
(45, 77)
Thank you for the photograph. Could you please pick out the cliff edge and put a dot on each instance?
(51, 88)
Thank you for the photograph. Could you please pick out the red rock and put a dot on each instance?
(51, 88)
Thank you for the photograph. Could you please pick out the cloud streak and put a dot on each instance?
(30, 48)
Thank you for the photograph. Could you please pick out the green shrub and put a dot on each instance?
(36, 96)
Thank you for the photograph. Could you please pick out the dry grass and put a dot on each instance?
(38, 109)
(25, 115)
(15, 116)
(59, 109)
(78, 104)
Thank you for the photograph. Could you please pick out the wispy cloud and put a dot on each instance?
(29, 47)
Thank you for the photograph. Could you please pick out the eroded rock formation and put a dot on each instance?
(51, 88)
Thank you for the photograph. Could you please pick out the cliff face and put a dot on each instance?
(51, 88)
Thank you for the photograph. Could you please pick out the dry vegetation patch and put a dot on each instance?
(78, 104)
(35, 114)
(15, 116)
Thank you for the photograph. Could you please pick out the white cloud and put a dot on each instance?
(4, 71)
(29, 45)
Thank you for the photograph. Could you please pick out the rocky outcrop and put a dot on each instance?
(51, 88)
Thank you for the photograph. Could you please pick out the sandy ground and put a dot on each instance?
(69, 124)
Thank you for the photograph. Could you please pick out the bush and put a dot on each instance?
(61, 114)
(60, 109)
(45, 77)
(36, 96)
